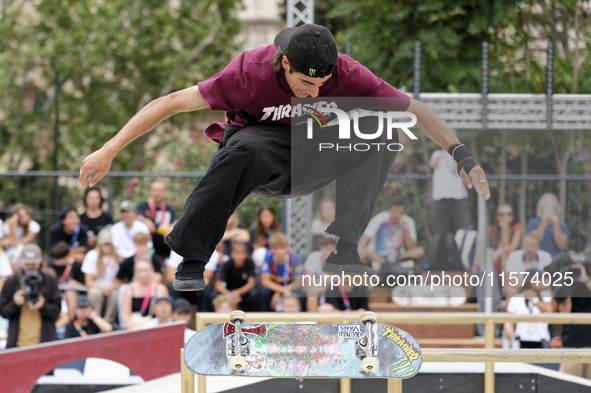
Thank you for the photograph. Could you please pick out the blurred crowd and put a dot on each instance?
(99, 275)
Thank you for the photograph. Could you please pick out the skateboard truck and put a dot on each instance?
(367, 347)
(238, 346)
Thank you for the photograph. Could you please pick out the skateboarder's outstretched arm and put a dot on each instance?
(145, 120)
(437, 130)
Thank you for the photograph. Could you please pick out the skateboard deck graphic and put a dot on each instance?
(304, 350)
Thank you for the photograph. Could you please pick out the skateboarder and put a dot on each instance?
(254, 154)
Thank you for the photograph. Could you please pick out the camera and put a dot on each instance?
(33, 285)
(562, 264)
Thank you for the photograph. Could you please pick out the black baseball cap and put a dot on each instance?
(311, 49)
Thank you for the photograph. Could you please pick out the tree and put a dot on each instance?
(113, 57)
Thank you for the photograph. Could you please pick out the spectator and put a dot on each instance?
(72, 232)
(263, 229)
(124, 231)
(142, 245)
(530, 256)
(348, 298)
(94, 217)
(551, 233)
(234, 233)
(237, 278)
(87, 321)
(281, 272)
(137, 303)
(18, 230)
(290, 304)
(224, 304)
(450, 196)
(324, 216)
(100, 268)
(159, 216)
(504, 235)
(30, 300)
(162, 313)
(391, 236)
(313, 268)
(577, 301)
(181, 312)
(68, 273)
(5, 266)
(532, 299)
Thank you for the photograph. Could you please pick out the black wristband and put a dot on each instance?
(463, 157)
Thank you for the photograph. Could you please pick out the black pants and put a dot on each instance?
(530, 344)
(450, 215)
(272, 161)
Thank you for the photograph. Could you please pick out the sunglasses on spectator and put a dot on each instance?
(504, 214)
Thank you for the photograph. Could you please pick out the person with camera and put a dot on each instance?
(532, 298)
(31, 301)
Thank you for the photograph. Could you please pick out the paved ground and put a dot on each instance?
(172, 384)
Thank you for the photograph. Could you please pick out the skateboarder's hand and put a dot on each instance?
(477, 180)
(94, 167)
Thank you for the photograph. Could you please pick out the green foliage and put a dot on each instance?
(383, 32)
(113, 57)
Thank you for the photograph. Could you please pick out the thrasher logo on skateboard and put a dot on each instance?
(260, 330)
(408, 348)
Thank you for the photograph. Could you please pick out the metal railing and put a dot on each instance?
(489, 355)
(35, 188)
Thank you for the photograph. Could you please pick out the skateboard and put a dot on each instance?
(366, 350)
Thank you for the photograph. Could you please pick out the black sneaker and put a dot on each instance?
(347, 263)
(189, 276)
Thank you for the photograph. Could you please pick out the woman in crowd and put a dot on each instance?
(94, 217)
(19, 229)
(138, 296)
(100, 269)
(504, 235)
(264, 227)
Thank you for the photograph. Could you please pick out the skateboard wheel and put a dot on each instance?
(239, 362)
(237, 315)
(369, 316)
(369, 364)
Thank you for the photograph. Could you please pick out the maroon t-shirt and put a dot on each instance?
(251, 92)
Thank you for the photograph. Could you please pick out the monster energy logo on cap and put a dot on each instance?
(309, 47)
